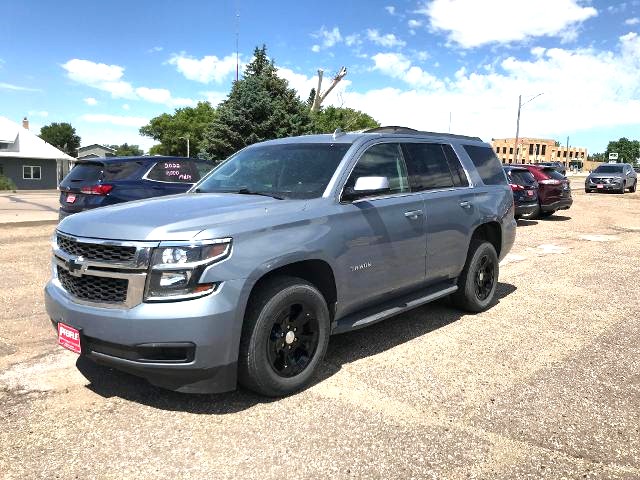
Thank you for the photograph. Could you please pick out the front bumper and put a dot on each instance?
(208, 328)
(605, 186)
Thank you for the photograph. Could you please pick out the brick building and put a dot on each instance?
(533, 150)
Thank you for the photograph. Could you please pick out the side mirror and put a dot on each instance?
(365, 187)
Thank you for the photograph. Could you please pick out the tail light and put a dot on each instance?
(516, 188)
(101, 189)
(550, 181)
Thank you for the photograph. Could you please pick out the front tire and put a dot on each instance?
(632, 188)
(284, 337)
(624, 187)
(478, 281)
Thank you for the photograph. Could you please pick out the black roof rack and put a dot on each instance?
(413, 131)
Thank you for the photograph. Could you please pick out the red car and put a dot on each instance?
(554, 190)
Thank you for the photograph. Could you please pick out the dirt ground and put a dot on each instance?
(545, 384)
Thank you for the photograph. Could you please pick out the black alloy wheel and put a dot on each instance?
(293, 340)
(485, 278)
(284, 338)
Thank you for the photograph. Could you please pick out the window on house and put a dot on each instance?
(544, 150)
(504, 149)
(510, 150)
(531, 149)
(497, 149)
(564, 154)
(31, 172)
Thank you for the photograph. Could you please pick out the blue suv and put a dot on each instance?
(245, 277)
(106, 181)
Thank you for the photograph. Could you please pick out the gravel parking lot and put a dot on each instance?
(546, 384)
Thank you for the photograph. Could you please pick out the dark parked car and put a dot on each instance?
(106, 181)
(559, 166)
(612, 176)
(554, 190)
(525, 191)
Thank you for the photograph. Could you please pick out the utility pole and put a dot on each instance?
(320, 96)
(237, 41)
(450, 123)
(566, 161)
(516, 153)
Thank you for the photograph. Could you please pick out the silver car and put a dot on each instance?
(612, 176)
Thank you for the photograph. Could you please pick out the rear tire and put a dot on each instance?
(284, 337)
(478, 281)
(632, 188)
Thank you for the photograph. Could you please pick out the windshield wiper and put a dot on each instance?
(242, 191)
(246, 191)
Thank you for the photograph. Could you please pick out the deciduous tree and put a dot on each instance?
(62, 136)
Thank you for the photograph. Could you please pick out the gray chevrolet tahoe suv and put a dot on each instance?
(246, 276)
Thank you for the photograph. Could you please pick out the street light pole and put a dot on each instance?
(186, 137)
(520, 105)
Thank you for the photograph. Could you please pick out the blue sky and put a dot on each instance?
(108, 67)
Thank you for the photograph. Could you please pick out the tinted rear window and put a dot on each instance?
(120, 171)
(84, 173)
(553, 173)
(487, 164)
(520, 177)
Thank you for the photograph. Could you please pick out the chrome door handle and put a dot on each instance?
(465, 204)
(413, 214)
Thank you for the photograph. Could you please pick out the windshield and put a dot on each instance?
(297, 170)
(609, 169)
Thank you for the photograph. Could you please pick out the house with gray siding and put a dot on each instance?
(30, 162)
(95, 151)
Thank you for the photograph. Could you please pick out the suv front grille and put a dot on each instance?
(95, 251)
(93, 288)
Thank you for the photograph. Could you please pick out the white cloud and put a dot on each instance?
(351, 40)
(391, 10)
(108, 78)
(328, 38)
(206, 69)
(214, 98)
(479, 23)
(126, 107)
(398, 66)
(484, 103)
(155, 49)
(119, 120)
(162, 95)
(315, 48)
(41, 113)
(388, 40)
(414, 23)
(17, 88)
(632, 21)
(90, 101)
(101, 76)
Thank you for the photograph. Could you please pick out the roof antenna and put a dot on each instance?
(338, 133)
(237, 39)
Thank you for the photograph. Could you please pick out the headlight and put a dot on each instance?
(176, 268)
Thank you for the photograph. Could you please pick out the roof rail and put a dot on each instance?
(412, 131)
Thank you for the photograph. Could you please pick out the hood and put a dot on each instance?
(175, 217)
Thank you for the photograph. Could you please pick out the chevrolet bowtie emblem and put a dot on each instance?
(75, 266)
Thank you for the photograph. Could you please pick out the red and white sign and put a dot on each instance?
(69, 337)
(71, 197)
